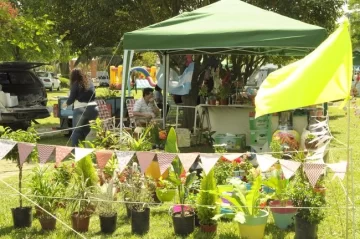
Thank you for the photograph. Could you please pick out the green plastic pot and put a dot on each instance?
(165, 195)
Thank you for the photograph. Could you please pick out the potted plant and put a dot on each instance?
(207, 207)
(22, 216)
(282, 208)
(106, 209)
(303, 195)
(165, 190)
(47, 192)
(183, 217)
(203, 93)
(247, 208)
(83, 186)
(223, 94)
(310, 144)
(63, 174)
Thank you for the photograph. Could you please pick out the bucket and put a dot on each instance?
(254, 227)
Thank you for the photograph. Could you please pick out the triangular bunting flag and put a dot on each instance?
(24, 151)
(82, 153)
(102, 157)
(265, 161)
(339, 169)
(313, 171)
(208, 161)
(232, 157)
(187, 159)
(144, 159)
(124, 158)
(5, 147)
(61, 152)
(44, 152)
(289, 167)
(165, 160)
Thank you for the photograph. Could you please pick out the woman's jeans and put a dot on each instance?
(82, 116)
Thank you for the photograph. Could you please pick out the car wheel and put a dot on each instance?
(51, 88)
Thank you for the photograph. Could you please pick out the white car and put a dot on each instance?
(50, 80)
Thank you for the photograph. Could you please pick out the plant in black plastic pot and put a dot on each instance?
(47, 191)
(22, 216)
(183, 216)
(207, 206)
(107, 207)
(302, 194)
(137, 196)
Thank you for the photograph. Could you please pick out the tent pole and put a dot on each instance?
(167, 74)
(125, 77)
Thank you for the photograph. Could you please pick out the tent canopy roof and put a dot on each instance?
(227, 26)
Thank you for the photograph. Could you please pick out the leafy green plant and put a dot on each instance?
(207, 207)
(171, 142)
(182, 182)
(143, 143)
(276, 148)
(302, 194)
(203, 91)
(208, 136)
(281, 186)
(110, 167)
(83, 186)
(220, 148)
(46, 189)
(223, 170)
(223, 92)
(105, 139)
(106, 205)
(29, 136)
(135, 189)
(245, 204)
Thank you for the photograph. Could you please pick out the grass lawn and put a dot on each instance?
(334, 225)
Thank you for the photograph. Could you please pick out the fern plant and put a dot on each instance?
(207, 207)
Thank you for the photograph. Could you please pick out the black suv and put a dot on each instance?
(18, 79)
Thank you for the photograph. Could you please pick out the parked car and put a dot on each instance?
(18, 79)
(50, 80)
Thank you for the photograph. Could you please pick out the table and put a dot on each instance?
(234, 119)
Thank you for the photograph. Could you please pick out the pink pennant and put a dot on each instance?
(102, 157)
(339, 169)
(232, 157)
(5, 147)
(124, 158)
(265, 161)
(44, 152)
(24, 151)
(61, 152)
(165, 160)
(187, 159)
(208, 161)
(289, 167)
(313, 171)
(145, 159)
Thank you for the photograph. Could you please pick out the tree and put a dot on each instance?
(25, 37)
(354, 17)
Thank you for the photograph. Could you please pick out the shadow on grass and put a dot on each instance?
(335, 117)
(272, 229)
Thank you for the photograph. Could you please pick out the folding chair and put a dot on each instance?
(105, 115)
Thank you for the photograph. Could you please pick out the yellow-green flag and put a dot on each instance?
(322, 76)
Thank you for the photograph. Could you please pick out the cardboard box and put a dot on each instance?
(232, 141)
(183, 137)
(260, 136)
(260, 123)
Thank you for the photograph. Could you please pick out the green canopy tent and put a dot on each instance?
(224, 27)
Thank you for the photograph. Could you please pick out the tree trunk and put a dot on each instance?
(191, 98)
(64, 69)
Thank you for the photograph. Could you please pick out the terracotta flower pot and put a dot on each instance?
(208, 228)
(80, 221)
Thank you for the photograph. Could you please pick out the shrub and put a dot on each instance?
(64, 82)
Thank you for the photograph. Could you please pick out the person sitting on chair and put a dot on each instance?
(145, 107)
